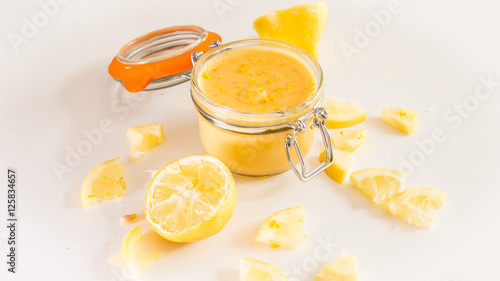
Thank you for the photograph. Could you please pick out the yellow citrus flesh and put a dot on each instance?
(105, 182)
(344, 268)
(339, 169)
(416, 205)
(143, 138)
(191, 198)
(348, 140)
(301, 25)
(405, 119)
(378, 184)
(343, 114)
(137, 261)
(255, 270)
(284, 228)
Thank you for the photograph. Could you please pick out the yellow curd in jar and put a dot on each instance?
(260, 80)
(257, 79)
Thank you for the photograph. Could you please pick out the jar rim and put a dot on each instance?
(231, 113)
(162, 44)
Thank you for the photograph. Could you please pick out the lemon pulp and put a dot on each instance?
(105, 182)
(191, 198)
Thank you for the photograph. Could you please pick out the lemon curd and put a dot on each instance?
(248, 94)
(257, 79)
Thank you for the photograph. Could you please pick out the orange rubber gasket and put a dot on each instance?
(136, 77)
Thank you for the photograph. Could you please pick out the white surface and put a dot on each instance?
(428, 57)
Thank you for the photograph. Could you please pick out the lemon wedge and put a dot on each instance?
(284, 228)
(105, 182)
(137, 261)
(301, 25)
(255, 270)
(378, 184)
(339, 169)
(343, 114)
(416, 205)
(348, 140)
(143, 138)
(191, 198)
(405, 119)
(344, 268)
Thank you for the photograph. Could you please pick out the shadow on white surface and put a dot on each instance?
(85, 94)
(244, 238)
(254, 188)
(153, 242)
(228, 274)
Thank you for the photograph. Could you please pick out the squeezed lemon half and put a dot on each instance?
(284, 228)
(344, 268)
(105, 182)
(191, 198)
(378, 184)
(143, 138)
(343, 114)
(255, 270)
(301, 25)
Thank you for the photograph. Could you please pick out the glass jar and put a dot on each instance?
(259, 144)
(252, 144)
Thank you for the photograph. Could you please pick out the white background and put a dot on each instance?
(429, 57)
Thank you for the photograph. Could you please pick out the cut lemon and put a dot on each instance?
(339, 169)
(143, 138)
(105, 182)
(300, 25)
(137, 261)
(378, 184)
(404, 119)
(255, 270)
(191, 199)
(416, 205)
(343, 114)
(283, 229)
(348, 140)
(344, 268)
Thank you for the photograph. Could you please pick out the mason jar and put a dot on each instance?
(249, 143)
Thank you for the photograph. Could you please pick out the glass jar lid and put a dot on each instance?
(161, 58)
